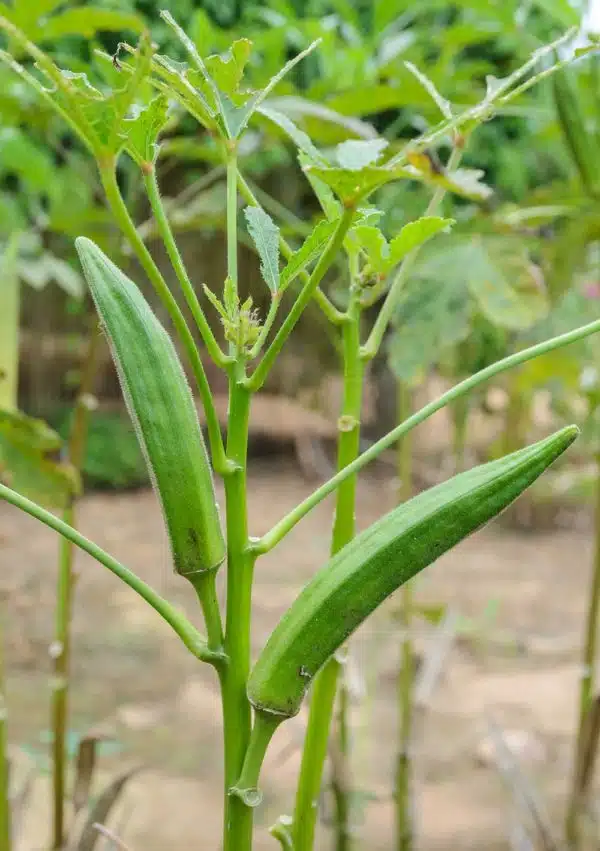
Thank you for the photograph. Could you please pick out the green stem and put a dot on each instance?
(232, 242)
(259, 376)
(263, 729)
(388, 307)
(264, 331)
(164, 229)
(127, 226)
(335, 316)
(189, 635)
(575, 804)
(5, 825)
(403, 782)
(324, 688)
(64, 601)
(460, 420)
(9, 319)
(287, 523)
(205, 585)
(238, 817)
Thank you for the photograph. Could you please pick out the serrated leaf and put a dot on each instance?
(355, 155)
(311, 248)
(143, 129)
(353, 186)
(265, 235)
(414, 234)
(227, 70)
(299, 137)
(442, 104)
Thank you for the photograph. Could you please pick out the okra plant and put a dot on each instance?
(301, 654)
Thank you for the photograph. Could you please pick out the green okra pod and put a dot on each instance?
(378, 561)
(579, 140)
(162, 408)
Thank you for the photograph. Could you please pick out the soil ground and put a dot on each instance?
(524, 594)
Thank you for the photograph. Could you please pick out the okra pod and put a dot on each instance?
(378, 561)
(163, 412)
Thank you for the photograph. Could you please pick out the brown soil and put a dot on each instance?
(521, 665)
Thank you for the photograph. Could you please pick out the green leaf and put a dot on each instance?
(20, 155)
(143, 129)
(354, 154)
(86, 22)
(311, 248)
(321, 120)
(265, 235)
(29, 461)
(492, 270)
(433, 315)
(227, 70)
(441, 102)
(353, 186)
(414, 234)
(330, 206)
(563, 12)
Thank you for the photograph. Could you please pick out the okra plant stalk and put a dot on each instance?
(64, 600)
(575, 804)
(5, 820)
(363, 570)
(403, 790)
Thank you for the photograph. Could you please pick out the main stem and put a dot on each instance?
(403, 781)
(324, 688)
(64, 605)
(5, 826)
(572, 826)
(238, 817)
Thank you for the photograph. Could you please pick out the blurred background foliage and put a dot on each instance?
(522, 262)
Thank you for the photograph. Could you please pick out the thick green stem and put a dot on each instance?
(64, 601)
(9, 326)
(189, 635)
(5, 825)
(308, 290)
(403, 781)
(287, 523)
(575, 804)
(164, 229)
(238, 817)
(388, 307)
(127, 226)
(324, 689)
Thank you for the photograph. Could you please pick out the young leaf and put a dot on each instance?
(227, 70)
(330, 206)
(354, 154)
(265, 235)
(311, 248)
(414, 234)
(143, 129)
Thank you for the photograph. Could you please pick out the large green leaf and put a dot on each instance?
(383, 256)
(30, 461)
(431, 317)
(34, 19)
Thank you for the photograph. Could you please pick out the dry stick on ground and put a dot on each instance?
(524, 795)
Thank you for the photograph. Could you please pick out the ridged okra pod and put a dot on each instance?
(381, 559)
(162, 409)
